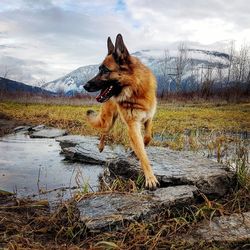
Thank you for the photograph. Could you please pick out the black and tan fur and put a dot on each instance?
(128, 89)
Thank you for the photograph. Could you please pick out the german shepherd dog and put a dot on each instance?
(127, 88)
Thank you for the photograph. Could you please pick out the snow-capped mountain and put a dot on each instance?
(72, 82)
(194, 60)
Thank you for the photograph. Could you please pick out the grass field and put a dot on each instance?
(176, 125)
(170, 119)
(216, 128)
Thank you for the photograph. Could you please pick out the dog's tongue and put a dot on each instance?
(103, 96)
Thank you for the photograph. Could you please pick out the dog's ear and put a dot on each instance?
(111, 46)
(121, 53)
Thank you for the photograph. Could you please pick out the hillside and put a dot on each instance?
(10, 86)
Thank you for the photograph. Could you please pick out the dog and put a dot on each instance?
(128, 89)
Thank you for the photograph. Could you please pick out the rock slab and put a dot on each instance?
(179, 168)
(48, 133)
(73, 140)
(41, 131)
(85, 149)
(230, 229)
(113, 210)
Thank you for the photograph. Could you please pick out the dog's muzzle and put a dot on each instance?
(91, 87)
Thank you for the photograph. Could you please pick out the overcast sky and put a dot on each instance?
(46, 39)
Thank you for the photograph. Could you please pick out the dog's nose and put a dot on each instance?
(87, 86)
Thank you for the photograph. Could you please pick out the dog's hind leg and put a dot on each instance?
(103, 121)
(148, 131)
(135, 136)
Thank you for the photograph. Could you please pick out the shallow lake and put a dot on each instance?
(35, 167)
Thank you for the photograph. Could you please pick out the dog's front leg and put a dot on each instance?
(135, 136)
(104, 121)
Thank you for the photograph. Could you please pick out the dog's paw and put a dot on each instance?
(147, 140)
(90, 112)
(151, 182)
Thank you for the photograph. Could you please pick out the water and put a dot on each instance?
(35, 167)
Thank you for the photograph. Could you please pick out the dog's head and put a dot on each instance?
(112, 71)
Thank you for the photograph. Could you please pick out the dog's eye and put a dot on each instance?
(104, 70)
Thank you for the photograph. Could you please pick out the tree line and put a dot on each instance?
(181, 74)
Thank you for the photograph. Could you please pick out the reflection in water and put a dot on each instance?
(35, 166)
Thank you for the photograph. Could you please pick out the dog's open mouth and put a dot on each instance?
(108, 92)
(105, 94)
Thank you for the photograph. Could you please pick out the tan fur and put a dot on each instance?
(136, 105)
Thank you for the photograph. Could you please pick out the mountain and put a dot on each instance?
(73, 82)
(10, 86)
(162, 63)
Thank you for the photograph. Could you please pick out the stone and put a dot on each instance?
(38, 127)
(173, 196)
(85, 149)
(41, 131)
(107, 211)
(73, 140)
(48, 133)
(179, 168)
(21, 128)
(227, 229)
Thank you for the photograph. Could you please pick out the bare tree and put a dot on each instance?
(244, 57)
(219, 77)
(231, 53)
(240, 64)
(195, 73)
(164, 68)
(180, 63)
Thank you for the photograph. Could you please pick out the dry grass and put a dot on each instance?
(171, 120)
(38, 229)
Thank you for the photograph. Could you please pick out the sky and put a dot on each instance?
(41, 40)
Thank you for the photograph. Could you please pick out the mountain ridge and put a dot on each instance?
(73, 82)
(11, 86)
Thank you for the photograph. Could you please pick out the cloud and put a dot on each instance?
(202, 21)
(63, 37)
(22, 70)
(48, 38)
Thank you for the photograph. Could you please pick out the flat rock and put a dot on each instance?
(39, 127)
(113, 210)
(231, 229)
(173, 196)
(73, 140)
(41, 131)
(21, 128)
(179, 168)
(85, 149)
(47, 133)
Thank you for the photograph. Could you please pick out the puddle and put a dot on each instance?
(30, 167)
